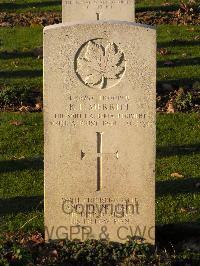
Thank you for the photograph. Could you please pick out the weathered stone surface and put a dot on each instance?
(99, 116)
(84, 10)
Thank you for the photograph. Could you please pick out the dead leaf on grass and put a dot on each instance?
(16, 123)
(177, 175)
(166, 4)
(184, 54)
(170, 107)
(17, 158)
(38, 106)
(163, 51)
(26, 109)
(188, 210)
(197, 37)
(183, 210)
(37, 238)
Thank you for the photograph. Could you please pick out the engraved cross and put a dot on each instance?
(100, 158)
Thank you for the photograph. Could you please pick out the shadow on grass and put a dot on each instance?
(181, 62)
(20, 73)
(158, 8)
(20, 165)
(178, 82)
(173, 187)
(178, 43)
(163, 151)
(170, 235)
(16, 54)
(20, 204)
(14, 6)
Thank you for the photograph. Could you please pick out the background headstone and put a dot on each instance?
(84, 10)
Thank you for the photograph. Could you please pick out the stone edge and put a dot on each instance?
(102, 22)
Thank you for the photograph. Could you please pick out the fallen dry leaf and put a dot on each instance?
(184, 54)
(163, 51)
(37, 238)
(183, 210)
(16, 123)
(177, 175)
(189, 210)
(166, 4)
(17, 158)
(38, 106)
(170, 107)
(197, 37)
(26, 109)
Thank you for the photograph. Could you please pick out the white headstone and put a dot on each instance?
(99, 118)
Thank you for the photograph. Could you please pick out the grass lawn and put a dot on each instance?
(182, 44)
(21, 164)
(55, 5)
(21, 135)
(21, 167)
(21, 69)
(30, 5)
(19, 66)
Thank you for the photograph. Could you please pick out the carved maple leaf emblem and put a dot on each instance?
(100, 64)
